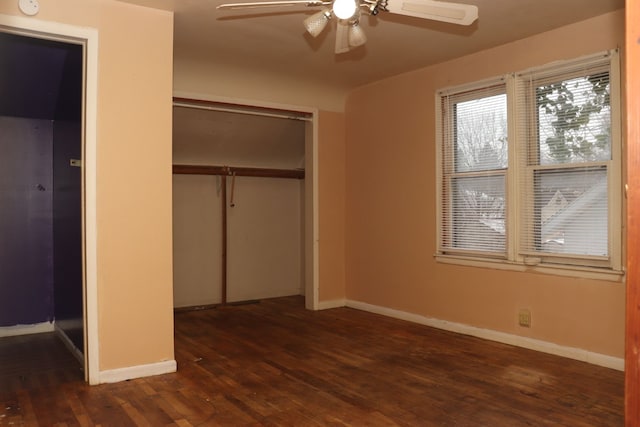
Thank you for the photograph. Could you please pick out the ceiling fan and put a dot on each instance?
(347, 14)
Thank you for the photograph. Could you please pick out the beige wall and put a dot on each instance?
(391, 215)
(331, 201)
(214, 78)
(134, 264)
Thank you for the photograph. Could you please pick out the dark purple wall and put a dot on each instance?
(26, 221)
(30, 74)
(40, 205)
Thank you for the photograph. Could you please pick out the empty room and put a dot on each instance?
(401, 212)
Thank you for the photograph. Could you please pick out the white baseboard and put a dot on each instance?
(336, 303)
(38, 328)
(138, 371)
(515, 340)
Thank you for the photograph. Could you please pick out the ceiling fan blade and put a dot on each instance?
(251, 5)
(454, 13)
(342, 36)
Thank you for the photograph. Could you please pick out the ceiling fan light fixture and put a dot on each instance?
(344, 9)
(317, 22)
(347, 14)
(357, 37)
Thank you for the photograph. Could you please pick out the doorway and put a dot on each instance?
(41, 190)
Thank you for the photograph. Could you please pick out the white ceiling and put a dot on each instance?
(274, 40)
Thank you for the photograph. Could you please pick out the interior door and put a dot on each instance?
(632, 353)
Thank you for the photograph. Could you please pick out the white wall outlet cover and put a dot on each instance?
(29, 7)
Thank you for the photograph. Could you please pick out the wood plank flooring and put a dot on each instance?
(276, 364)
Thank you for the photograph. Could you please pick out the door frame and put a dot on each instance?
(88, 38)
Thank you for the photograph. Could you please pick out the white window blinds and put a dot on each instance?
(565, 149)
(474, 160)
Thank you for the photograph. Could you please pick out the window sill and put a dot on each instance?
(558, 270)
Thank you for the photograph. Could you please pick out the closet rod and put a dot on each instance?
(238, 171)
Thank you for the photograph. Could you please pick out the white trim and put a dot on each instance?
(243, 102)
(616, 171)
(502, 337)
(565, 270)
(564, 66)
(36, 328)
(514, 120)
(315, 215)
(241, 110)
(336, 303)
(92, 349)
(89, 36)
(139, 371)
(471, 86)
(438, 170)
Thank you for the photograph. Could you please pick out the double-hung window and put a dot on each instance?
(474, 170)
(529, 167)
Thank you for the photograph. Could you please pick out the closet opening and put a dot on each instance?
(243, 204)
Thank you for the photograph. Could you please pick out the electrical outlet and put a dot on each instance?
(524, 318)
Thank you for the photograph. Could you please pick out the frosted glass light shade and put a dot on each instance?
(357, 37)
(317, 22)
(344, 9)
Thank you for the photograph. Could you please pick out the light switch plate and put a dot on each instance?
(29, 7)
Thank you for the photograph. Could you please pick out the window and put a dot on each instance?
(529, 167)
(475, 166)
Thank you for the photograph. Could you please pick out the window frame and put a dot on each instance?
(447, 170)
(517, 183)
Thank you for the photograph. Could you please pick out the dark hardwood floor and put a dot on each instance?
(274, 363)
